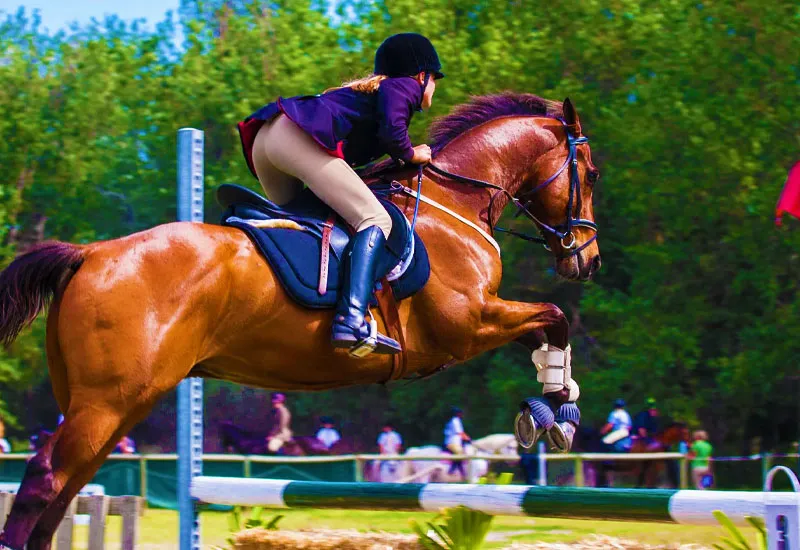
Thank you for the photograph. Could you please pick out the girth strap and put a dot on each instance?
(387, 305)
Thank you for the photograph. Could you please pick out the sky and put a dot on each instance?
(58, 14)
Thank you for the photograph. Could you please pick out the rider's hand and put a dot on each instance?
(422, 154)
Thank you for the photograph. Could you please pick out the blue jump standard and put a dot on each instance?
(692, 507)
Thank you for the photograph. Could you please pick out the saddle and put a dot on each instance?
(304, 243)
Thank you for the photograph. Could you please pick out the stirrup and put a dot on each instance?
(374, 343)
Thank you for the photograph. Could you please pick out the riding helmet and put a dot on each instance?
(407, 54)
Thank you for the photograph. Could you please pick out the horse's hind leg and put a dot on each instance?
(39, 491)
(109, 392)
(88, 434)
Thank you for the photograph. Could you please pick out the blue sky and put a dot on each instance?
(58, 14)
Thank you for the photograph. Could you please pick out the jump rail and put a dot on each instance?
(679, 506)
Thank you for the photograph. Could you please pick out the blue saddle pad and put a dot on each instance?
(294, 255)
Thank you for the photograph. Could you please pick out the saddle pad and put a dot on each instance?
(294, 254)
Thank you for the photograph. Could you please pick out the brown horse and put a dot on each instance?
(130, 318)
(646, 473)
(236, 440)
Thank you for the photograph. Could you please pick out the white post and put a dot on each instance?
(782, 519)
(190, 391)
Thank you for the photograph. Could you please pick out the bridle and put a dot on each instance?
(563, 231)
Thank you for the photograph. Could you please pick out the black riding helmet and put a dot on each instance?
(407, 54)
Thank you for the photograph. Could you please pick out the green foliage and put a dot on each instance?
(463, 529)
(492, 478)
(693, 115)
(235, 523)
(737, 541)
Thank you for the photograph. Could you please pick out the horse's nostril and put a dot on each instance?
(596, 263)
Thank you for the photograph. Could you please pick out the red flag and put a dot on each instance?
(790, 197)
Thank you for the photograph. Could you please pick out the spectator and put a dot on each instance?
(281, 418)
(5, 446)
(454, 439)
(389, 442)
(327, 434)
(529, 462)
(454, 434)
(646, 423)
(618, 428)
(700, 454)
(125, 446)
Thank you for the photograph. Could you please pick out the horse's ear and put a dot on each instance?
(571, 117)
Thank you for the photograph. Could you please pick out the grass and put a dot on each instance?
(159, 528)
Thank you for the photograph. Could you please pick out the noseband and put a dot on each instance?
(563, 231)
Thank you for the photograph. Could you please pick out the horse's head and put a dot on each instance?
(674, 433)
(558, 194)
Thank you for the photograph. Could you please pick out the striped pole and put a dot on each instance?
(691, 507)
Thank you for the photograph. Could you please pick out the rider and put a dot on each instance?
(327, 434)
(454, 439)
(618, 427)
(317, 139)
(280, 418)
(645, 423)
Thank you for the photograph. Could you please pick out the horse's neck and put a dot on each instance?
(500, 152)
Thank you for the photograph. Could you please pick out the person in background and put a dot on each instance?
(327, 434)
(529, 463)
(700, 454)
(646, 423)
(126, 446)
(454, 439)
(5, 446)
(389, 441)
(280, 418)
(618, 428)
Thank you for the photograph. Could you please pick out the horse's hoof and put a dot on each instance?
(560, 436)
(562, 433)
(534, 418)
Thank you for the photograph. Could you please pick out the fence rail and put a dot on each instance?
(155, 470)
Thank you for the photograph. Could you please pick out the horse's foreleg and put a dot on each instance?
(530, 324)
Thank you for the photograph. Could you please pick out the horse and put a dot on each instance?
(423, 471)
(236, 440)
(129, 318)
(498, 444)
(645, 472)
(442, 471)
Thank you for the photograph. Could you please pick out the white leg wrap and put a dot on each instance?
(554, 368)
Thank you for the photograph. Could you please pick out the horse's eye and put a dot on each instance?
(593, 176)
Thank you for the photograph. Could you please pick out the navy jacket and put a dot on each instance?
(355, 126)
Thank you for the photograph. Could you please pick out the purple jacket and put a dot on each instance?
(355, 126)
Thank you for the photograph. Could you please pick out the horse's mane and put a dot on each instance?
(479, 110)
(482, 109)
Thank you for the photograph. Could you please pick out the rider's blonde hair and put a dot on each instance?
(368, 84)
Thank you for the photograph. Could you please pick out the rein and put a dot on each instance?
(562, 231)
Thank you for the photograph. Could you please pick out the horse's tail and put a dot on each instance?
(31, 281)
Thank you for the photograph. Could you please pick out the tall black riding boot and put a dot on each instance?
(350, 329)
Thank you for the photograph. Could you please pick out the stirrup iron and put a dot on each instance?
(368, 344)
